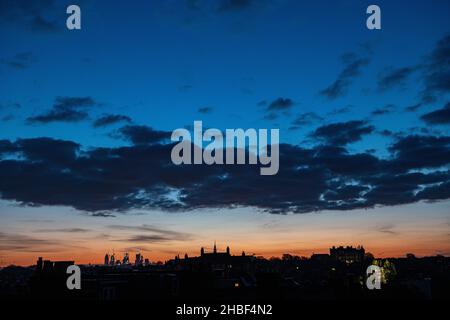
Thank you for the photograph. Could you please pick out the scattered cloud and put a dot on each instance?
(388, 229)
(152, 233)
(137, 249)
(205, 110)
(389, 108)
(386, 133)
(281, 104)
(64, 230)
(436, 71)
(394, 77)
(440, 116)
(139, 135)
(37, 16)
(414, 107)
(305, 119)
(352, 65)
(342, 133)
(110, 119)
(277, 106)
(59, 116)
(340, 111)
(22, 60)
(22, 243)
(65, 109)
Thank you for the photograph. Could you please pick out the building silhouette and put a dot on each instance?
(348, 254)
(126, 259)
(221, 275)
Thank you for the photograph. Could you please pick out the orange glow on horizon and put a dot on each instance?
(421, 229)
(97, 256)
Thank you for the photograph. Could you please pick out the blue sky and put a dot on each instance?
(151, 56)
(231, 64)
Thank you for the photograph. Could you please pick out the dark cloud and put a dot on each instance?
(386, 133)
(205, 110)
(22, 60)
(280, 104)
(17, 242)
(64, 230)
(339, 111)
(137, 249)
(306, 119)
(103, 181)
(73, 102)
(32, 220)
(383, 110)
(352, 68)
(65, 109)
(441, 191)
(440, 116)
(434, 72)
(147, 238)
(343, 133)
(110, 119)
(386, 229)
(394, 77)
(437, 71)
(153, 233)
(414, 107)
(59, 116)
(418, 152)
(48, 150)
(395, 189)
(143, 135)
(6, 147)
(277, 106)
(346, 193)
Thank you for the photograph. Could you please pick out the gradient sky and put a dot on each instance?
(142, 68)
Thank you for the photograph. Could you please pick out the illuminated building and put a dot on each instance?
(348, 254)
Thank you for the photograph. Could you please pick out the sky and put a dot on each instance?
(86, 116)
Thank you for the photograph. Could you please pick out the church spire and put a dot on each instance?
(215, 249)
